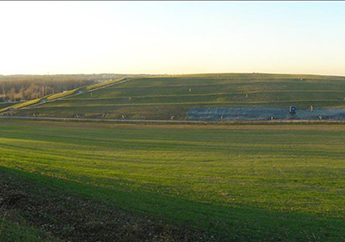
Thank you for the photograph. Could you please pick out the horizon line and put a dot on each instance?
(175, 74)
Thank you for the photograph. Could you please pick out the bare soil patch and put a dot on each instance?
(71, 218)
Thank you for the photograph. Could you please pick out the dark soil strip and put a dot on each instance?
(71, 218)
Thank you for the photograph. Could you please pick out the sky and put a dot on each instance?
(172, 37)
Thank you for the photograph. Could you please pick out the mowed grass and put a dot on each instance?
(170, 97)
(243, 183)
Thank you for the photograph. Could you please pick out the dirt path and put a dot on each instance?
(72, 95)
(79, 93)
(129, 121)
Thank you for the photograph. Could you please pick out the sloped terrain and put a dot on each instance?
(170, 97)
(35, 212)
(5, 104)
(174, 182)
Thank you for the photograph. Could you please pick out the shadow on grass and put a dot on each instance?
(204, 220)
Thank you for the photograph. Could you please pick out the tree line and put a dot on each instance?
(27, 87)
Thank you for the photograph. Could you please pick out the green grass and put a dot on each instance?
(21, 105)
(15, 229)
(245, 183)
(82, 89)
(103, 84)
(164, 97)
(4, 105)
(62, 94)
(25, 104)
(57, 95)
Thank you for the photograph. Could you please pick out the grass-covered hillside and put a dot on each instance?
(170, 97)
(5, 104)
(108, 182)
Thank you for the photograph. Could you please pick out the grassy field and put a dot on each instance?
(15, 229)
(4, 105)
(53, 97)
(170, 97)
(239, 182)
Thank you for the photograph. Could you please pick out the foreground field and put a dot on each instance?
(239, 183)
(170, 97)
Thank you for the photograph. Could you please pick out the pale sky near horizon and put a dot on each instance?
(172, 37)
